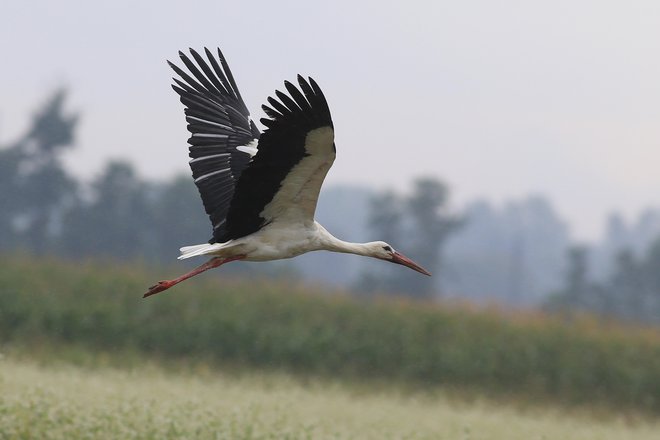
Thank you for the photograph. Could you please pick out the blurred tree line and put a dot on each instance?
(618, 276)
(43, 209)
(511, 254)
(631, 291)
(519, 254)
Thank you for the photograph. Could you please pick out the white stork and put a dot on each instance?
(259, 189)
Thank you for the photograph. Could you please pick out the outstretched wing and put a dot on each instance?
(223, 135)
(295, 152)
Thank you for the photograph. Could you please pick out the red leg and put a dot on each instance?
(211, 264)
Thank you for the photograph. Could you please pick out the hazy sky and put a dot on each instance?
(498, 98)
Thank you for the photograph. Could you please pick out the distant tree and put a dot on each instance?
(514, 254)
(577, 283)
(178, 217)
(650, 295)
(636, 235)
(418, 224)
(578, 291)
(631, 292)
(617, 234)
(623, 288)
(11, 202)
(118, 219)
(432, 224)
(52, 129)
(38, 189)
(386, 215)
(635, 285)
(385, 223)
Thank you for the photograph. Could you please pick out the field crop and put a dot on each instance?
(60, 401)
(284, 327)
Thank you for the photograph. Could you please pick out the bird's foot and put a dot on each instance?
(158, 287)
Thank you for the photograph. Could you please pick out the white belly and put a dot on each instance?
(276, 242)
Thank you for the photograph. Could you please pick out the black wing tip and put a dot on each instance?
(309, 84)
(177, 89)
(303, 82)
(270, 112)
(310, 104)
(315, 86)
(214, 77)
(279, 94)
(289, 85)
(291, 89)
(184, 57)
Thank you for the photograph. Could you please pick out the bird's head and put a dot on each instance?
(384, 251)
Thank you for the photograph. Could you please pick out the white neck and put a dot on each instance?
(331, 243)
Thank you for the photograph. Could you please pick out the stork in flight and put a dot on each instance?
(259, 189)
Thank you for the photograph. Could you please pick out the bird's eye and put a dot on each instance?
(387, 248)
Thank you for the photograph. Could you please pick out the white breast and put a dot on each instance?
(282, 240)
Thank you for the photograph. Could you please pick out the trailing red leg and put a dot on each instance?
(211, 264)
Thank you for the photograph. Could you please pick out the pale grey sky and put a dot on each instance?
(498, 98)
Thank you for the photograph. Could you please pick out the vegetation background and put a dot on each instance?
(84, 356)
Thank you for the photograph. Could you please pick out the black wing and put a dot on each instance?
(219, 122)
(295, 152)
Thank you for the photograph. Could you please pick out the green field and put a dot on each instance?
(266, 359)
(66, 402)
(280, 326)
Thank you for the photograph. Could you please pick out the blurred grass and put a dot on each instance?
(286, 327)
(66, 402)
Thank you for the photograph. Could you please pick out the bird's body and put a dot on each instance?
(277, 241)
(260, 190)
(273, 242)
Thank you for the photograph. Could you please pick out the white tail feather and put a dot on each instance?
(198, 249)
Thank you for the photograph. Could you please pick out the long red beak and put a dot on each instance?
(405, 261)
